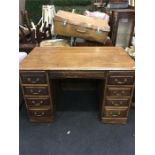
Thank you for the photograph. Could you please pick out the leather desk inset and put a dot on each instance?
(109, 64)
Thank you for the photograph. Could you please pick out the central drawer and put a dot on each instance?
(37, 90)
(77, 74)
(121, 73)
(119, 91)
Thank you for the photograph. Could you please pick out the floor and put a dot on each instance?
(76, 130)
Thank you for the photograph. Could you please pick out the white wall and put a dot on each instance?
(21, 7)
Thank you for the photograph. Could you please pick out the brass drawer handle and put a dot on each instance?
(41, 102)
(37, 104)
(39, 114)
(33, 102)
(119, 93)
(35, 93)
(121, 82)
(115, 114)
(116, 104)
(33, 81)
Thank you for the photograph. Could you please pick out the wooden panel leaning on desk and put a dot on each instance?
(108, 64)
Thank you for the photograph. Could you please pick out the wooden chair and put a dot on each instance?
(27, 39)
(31, 35)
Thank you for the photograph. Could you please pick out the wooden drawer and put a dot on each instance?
(77, 74)
(28, 90)
(117, 102)
(115, 112)
(37, 102)
(114, 120)
(32, 77)
(121, 73)
(119, 91)
(121, 80)
(40, 112)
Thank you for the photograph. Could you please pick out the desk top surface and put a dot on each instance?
(77, 58)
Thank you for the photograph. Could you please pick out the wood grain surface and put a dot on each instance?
(77, 58)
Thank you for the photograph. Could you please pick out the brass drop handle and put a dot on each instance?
(121, 82)
(33, 102)
(39, 103)
(116, 104)
(39, 114)
(29, 79)
(119, 93)
(115, 114)
(33, 81)
(116, 93)
(35, 93)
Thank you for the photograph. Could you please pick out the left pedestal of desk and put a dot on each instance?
(37, 94)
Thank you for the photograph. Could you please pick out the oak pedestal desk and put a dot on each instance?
(109, 64)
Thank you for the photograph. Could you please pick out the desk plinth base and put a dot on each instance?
(114, 120)
(41, 119)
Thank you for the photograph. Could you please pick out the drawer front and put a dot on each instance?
(115, 113)
(77, 74)
(40, 113)
(120, 80)
(114, 120)
(121, 73)
(35, 90)
(36, 102)
(113, 91)
(117, 102)
(33, 77)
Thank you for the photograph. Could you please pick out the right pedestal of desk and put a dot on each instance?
(117, 96)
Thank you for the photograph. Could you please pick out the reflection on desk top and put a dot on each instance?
(77, 58)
